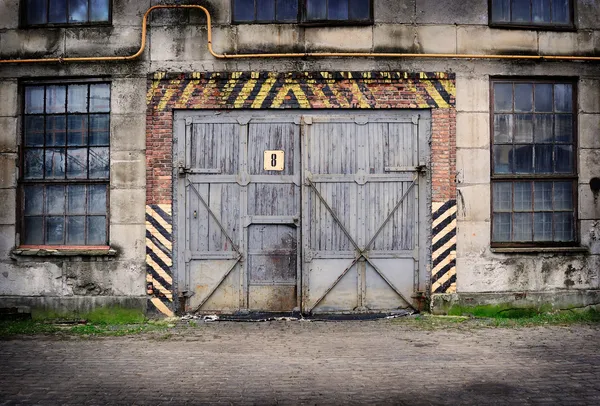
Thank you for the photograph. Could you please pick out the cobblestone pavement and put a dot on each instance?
(375, 362)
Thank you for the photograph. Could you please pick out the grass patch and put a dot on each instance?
(104, 321)
(501, 317)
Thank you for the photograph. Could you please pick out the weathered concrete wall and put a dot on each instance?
(177, 43)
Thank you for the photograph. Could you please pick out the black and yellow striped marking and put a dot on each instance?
(443, 240)
(304, 90)
(159, 258)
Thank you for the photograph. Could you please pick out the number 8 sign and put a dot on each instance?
(274, 160)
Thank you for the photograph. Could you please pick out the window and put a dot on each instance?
(530, 13)
(44, 12)
(65, 164)
(534, 177)
(305, 11)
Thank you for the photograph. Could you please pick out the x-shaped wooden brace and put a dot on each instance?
(360, 253)
(235, 248)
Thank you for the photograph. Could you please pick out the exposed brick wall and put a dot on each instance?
(299, 90)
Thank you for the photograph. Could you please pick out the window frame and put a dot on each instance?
(22, 182)
(532, 177)
(23, 23)
(531, 25)
(303, 22)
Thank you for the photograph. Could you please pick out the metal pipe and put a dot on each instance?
(292, 54)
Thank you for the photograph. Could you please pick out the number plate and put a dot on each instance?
(274, 160)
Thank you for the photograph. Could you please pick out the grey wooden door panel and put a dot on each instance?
(241, 239)
(271, 136)
(204, 232)
(362, 185)
(273, 199)
(215, 146)
(348, 212)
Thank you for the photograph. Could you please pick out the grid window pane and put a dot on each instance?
(54, 164)
(76, 230)
(524, 97)
(100, 98)
(99, 10)
(96, 230)
(502, 227)
(503, 159)
(523, 155)
(77, 130)
(76, 199)
(57, 12)
(502, 196)
(55, 230)
(265, 10)
(359, 10)
(563, 226)
(523, 128)
(540, 11)
(522, 227)
(563, 196)
(78, 163)
(56, 97)
(55, 200)
(560, 11)
(243, 10)
(97, 199)
(503, 97)
(99, 163)
(501, 10)
(99, 129)
(56, 131)
(543, 98)
(543, 196)
(337, 10)
(78, 99)
(70, 144)
(78, 11)
(34, 131)
(316, 9)
(34, 200)
(34, 164)
(287, 10)
(564, 158)
(521, 11)
(543, 158)
(542, 226)
(563, 98)
(532, 12)
(33, 227)
(34, 100)
(37, 12)
(503, 128)
(543, 127)
(523, 196)
(563, 131)
(534, 166)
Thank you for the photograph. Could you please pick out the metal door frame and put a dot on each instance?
(184, 118)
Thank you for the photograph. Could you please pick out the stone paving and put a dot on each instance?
(312, 363)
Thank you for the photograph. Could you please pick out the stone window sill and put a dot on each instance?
(63, 251)
(539, 250)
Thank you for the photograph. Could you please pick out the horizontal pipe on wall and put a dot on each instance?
(289, 55)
